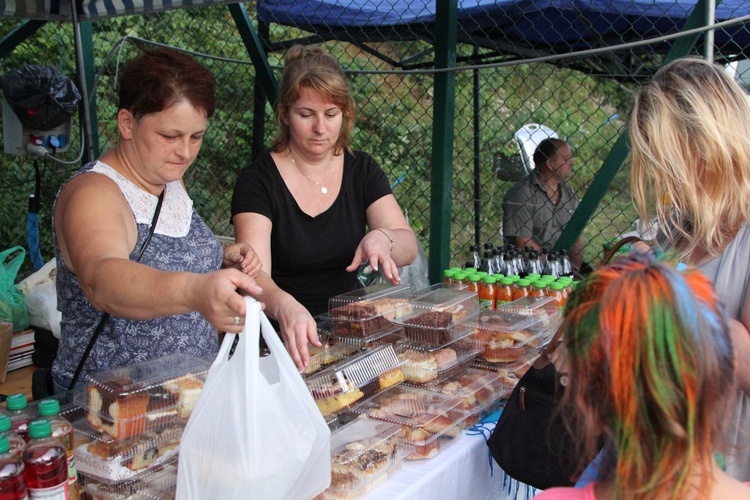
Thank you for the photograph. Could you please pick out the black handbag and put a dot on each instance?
(531, 441)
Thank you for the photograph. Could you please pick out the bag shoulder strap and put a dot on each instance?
(105, 316)
(556, 339)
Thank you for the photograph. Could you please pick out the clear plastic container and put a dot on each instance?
(362, 456)
(114, 461)
(330, 353)
(508, 336)
(425, 365)
(128, 401)
(367, 311)
(155, 483)
(477, 388)
(390, 336)
(342, 386)
(428, 418)
(460, 303)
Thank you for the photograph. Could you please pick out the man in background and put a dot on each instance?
(539, 206)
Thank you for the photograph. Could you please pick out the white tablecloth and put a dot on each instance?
(463, 470)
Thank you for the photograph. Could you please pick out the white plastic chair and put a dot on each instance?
(528, 138)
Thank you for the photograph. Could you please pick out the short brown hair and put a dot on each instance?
(159, 78)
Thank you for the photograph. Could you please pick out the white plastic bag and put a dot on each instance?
(40, 296)
(256, 431)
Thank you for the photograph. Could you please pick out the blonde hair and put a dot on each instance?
(690, 140)
(311, 67)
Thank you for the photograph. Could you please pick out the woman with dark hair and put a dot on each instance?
(174, 295)
(650, 367)
(305, 206)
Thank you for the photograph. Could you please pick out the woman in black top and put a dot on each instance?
(305, 206)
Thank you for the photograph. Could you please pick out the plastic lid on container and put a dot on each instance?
(16, 402)
(489, 279)
(4, 444)
(40, 429)
(524, 283)
(506, 280)
(533, 276)
(539, 284)
(4, 423)
(448, 273)
(49, 407)
(555, 285)
(475, 277)
(460, 275)
(548, 276)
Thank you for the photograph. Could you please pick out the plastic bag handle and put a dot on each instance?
(15, 263)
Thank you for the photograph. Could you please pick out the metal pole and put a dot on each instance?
(80, 70)
(710, 20)
(477, 164)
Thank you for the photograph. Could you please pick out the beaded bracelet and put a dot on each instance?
(389, 238)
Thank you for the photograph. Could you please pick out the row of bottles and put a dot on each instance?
(36, 452)
(498, 289)
(510, 260)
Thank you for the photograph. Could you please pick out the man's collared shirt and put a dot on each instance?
(528, 211)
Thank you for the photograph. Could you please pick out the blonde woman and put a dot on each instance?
(690, 140)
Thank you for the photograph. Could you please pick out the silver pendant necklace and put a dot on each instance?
(321, 185)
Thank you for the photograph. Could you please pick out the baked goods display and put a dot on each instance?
(389, 336)
(133, 419)
(477, 389)
(423, 415)
(362, 455)
(120, 460)
(423, 363)
(460, 304)
(327, 355)
(159, 481)
(363, 376)
(127, 401)
(506, 337)
(545, 310)
(368, 310)
(123, 408)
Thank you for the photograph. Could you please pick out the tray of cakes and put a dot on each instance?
(428, 418)
(362, 455)
(477, 389)
(341, 386)
(546, 309)
(424, 364)
(367, 311)
(506, 337)
(133, 417)
(389, 336)
(440, 316)
(328, 354)
(156, 483)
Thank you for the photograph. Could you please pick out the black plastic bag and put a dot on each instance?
(41, 96)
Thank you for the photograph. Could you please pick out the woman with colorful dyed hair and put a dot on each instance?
(690, 140)
(651, 367)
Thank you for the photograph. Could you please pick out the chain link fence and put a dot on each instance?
(500, 86)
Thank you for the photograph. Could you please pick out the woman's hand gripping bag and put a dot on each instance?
(256, 431)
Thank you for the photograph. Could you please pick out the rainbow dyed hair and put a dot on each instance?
(651, 364)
